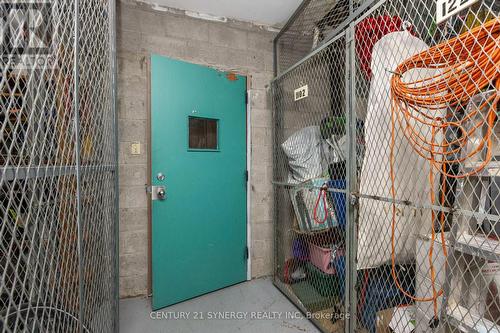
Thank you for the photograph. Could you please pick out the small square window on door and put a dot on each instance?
(203, 133)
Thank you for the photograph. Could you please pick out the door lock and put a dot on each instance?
(161, 194)
(158, 193)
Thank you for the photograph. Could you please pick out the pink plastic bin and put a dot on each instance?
(321, 258)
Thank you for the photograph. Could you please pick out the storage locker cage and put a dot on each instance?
(58, 167)
(385, 165)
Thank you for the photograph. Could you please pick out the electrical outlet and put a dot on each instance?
(135, 148)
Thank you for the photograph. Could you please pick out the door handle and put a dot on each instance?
(158, 193)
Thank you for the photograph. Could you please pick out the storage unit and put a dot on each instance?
(58, 167)
(417, 84)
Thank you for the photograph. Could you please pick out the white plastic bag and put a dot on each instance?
(304, 152)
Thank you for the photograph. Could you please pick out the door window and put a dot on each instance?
(203, 133)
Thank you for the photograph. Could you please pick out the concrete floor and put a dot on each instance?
(255, 306)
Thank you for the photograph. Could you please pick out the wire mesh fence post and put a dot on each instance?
(76, 130)
(116, 228)
(352, 167)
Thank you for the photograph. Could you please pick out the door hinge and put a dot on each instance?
(246, 176)
(246, 254)
(246, 97)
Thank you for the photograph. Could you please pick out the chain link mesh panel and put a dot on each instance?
(58, 209)
(424, 190)
(309, 170)
(308, 29)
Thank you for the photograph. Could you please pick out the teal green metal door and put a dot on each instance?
(198, 170)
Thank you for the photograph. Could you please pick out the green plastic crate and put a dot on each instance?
(310, 298)
(326, 285)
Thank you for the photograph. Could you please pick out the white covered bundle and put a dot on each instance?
(411, 170)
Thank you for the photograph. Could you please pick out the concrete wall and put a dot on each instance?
(237, 46)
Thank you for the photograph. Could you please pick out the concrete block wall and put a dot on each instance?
(232, 46)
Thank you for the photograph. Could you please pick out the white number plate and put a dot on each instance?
(447, 8)
(301, 93)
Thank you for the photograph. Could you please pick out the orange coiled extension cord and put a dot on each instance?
(464, 66)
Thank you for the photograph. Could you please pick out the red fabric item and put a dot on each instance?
(368, 32)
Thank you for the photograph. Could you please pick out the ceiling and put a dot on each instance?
(268, 12)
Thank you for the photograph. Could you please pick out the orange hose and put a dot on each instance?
(465, 66)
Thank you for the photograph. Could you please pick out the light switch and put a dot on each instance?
(135, 148)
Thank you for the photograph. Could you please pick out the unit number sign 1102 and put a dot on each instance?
(448, 8)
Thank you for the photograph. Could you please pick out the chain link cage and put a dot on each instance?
(387, 165)
(312, 25)
(58, 169)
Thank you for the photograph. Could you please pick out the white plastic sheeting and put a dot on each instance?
(411, 170)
